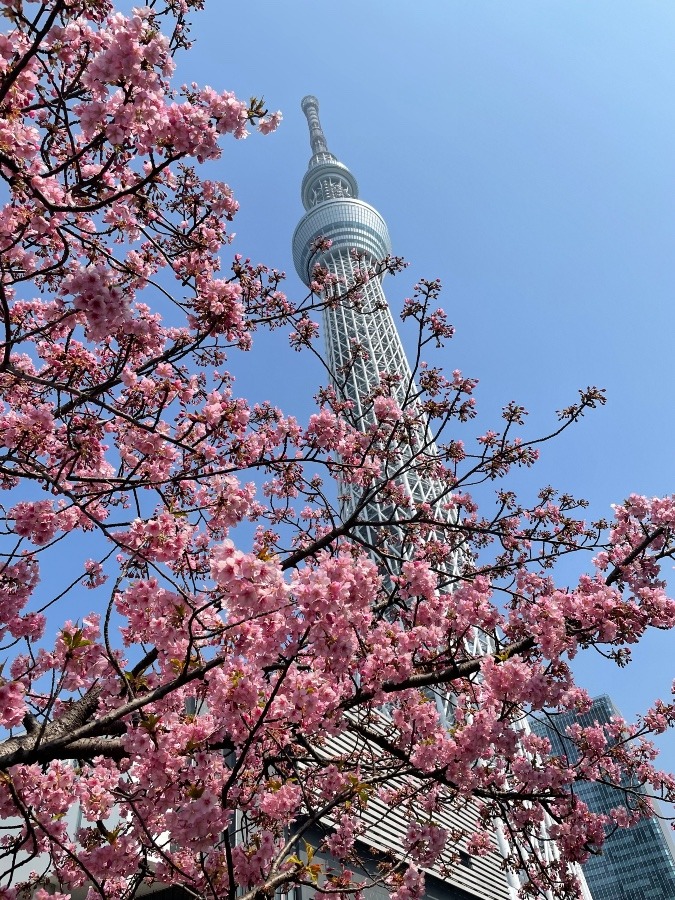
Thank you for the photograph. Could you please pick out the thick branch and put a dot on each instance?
(111, 748)
(27, 747)
(615, 574)
(445, 676)
(59, 736)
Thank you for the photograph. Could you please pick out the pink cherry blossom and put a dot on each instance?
(277, 633)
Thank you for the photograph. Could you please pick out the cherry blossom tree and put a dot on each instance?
(218, 696)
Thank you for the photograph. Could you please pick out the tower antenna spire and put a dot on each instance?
(317, 139)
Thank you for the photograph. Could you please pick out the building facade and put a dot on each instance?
(636, 863)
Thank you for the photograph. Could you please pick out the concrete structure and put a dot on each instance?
(636, 863)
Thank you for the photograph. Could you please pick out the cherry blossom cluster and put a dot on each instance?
(233, 656)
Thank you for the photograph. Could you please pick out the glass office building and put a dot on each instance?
(636, 863)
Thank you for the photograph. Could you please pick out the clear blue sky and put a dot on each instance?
(524, 153)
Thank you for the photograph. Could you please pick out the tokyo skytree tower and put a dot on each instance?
(359, 239)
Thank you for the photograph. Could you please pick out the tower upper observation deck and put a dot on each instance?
(330, 196)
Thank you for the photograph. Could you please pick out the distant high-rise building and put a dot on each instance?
(360, 239)
(636, 863)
